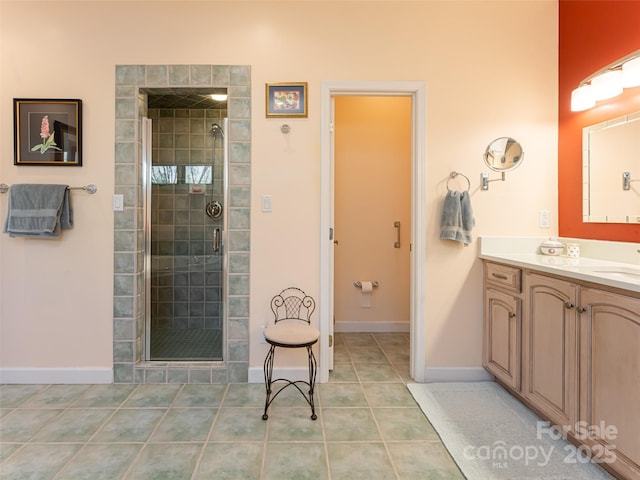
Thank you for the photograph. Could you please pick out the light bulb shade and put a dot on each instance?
(582, 98)
(607, 85)
(631, 73)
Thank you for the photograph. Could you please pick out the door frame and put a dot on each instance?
(417, 92)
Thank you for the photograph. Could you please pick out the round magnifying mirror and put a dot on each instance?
(503, 154)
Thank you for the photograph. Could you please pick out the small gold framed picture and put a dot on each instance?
(286, 100)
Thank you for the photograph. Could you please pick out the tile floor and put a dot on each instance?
(368, 427)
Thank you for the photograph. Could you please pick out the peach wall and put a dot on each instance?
(592, 35)
(372, 191)
(482, 83)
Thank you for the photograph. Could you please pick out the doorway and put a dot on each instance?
(372, 143)
(416, 236)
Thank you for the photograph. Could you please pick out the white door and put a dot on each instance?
(416, 90)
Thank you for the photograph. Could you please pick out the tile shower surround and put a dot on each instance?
(133, 82)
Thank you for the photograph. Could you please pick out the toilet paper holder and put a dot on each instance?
(358, 284)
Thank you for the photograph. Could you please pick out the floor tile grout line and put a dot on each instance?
(18, 408)
(325, 446)
(265, 445)
(146, 443)
(8, 386)
(208, 438)
(87, 441)
(61, 412)
(381, 433)
(369, 406)
(384, 440)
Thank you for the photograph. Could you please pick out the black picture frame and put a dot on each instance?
(47, 132)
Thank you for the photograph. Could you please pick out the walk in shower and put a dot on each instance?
(131, 329)
(185, 169)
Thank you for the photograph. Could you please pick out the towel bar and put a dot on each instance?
(91, 188)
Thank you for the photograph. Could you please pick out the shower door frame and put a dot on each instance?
(129, 296)
(147, 164)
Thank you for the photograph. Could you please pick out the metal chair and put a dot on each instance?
(292, 309)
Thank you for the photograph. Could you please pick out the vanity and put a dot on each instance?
(563, 336)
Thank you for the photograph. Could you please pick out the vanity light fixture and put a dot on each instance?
(607, 82)
(607, 85)
(631, 73)
(219, 97)
(582, 98)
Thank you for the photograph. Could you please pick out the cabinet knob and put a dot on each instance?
(512, 315)
(569, 305)
(581, 309)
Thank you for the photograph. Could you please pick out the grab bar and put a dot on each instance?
(396, 225)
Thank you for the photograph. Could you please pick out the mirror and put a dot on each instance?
(611, 170)
(503, 154)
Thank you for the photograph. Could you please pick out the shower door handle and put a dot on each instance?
(216, 239)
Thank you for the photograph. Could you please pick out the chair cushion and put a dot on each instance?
(291, 333)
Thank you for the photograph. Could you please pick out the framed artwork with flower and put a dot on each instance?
(47, 132)
(286, 100)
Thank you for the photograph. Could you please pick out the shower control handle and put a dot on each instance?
(216, 239)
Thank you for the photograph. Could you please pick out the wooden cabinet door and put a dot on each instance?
(549, 342)
(502, 327)
(610, 378)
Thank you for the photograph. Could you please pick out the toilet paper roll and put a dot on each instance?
(367, 287)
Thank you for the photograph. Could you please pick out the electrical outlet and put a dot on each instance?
(262, 339)
(544, 219)
(267, 203)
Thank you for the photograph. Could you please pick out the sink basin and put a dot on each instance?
(620, 272)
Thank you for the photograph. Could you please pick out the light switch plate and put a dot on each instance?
(544, 219)
(118, 203)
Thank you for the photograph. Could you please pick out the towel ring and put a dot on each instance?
(454, 175)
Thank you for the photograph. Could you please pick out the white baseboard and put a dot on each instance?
(372, 327)
(256, 374)
(457, 374)
(56, 375)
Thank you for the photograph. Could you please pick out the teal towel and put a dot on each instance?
(38, 211)
(457, 220)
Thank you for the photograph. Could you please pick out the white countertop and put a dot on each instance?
(621, 275)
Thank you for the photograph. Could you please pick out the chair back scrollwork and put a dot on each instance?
(292, 304)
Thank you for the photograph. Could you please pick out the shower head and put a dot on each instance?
(216, 130)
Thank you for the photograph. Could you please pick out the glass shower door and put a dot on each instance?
(184, 258)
